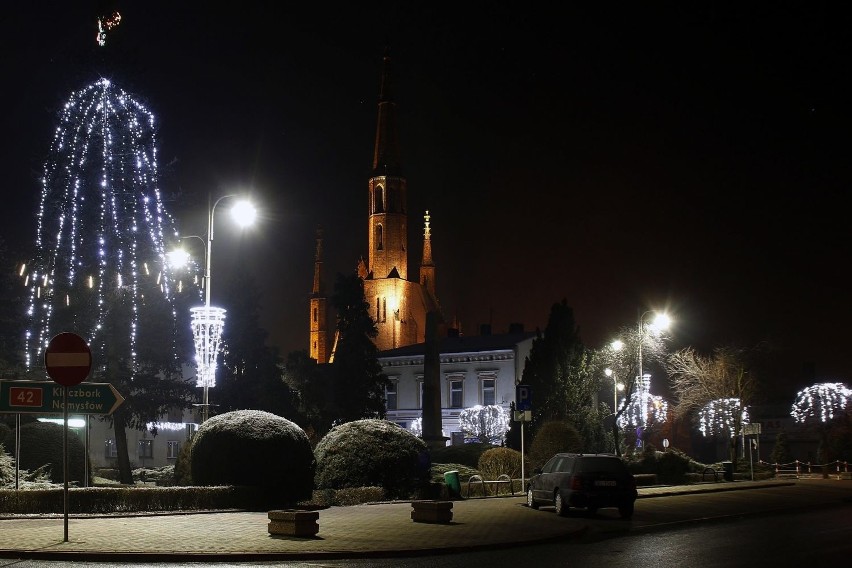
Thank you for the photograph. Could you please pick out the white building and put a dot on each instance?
(475, 370)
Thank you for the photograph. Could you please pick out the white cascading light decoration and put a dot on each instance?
(643, 407)
(821, 401)
(488, 423)
(101, 225)
(207, 325)
(718, 417)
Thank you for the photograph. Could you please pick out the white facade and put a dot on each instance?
(476, 370)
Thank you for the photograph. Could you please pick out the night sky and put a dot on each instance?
(624, 158)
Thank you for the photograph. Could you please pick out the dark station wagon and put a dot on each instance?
(593, 481)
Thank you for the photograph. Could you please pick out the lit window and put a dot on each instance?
(456, 398)
(146, 448)
(172, 449)
(390, 396)
(489, 391)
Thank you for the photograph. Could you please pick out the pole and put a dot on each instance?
(750, 460)
(17, 450)
(65, 459)
(523, 481)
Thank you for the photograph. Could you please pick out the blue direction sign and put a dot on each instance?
(45, 397)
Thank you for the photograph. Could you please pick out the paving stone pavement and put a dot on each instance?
(373, 530)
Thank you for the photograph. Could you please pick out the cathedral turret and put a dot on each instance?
(319, 332)
(427, 267)
(388, 192)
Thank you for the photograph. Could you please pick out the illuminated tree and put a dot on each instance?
(722, 416)
(698, 381)
(823, 405)
(487, 424)
(100, 262)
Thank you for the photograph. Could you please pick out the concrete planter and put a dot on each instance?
(294, 523)
(431, 511)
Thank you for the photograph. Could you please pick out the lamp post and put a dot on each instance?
(661, 322)
(616, 386)
(208, 321)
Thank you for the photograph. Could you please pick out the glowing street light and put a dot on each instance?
(616, 386)
(208, 321)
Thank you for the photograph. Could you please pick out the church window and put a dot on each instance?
(384, 310)
(378, 309)
(379, 237)
(378, 202)
(315, 315)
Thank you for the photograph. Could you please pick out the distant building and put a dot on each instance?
(475, 370)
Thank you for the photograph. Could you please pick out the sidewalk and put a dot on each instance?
(375, 530)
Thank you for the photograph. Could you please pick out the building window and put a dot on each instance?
(315, 315)
(390, 395)
(419, 392)
(489, 391)
(378, 203)
(172, 449)
(110, 449)
(146, 449)
(379, 235)
(456, 392)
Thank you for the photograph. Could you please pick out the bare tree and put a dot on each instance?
(698, 380)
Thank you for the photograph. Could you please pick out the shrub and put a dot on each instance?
(7, 467)
(4, 431)
(439, 469)
(371, 452)
(465, 454)
(41, 444)
(183, 465)
(552, 438)
(256, 449)
(672, 467)
(497, 461)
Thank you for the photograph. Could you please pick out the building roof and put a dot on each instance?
(462, 344)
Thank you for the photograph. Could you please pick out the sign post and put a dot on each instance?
(523, 413)
(67, 361)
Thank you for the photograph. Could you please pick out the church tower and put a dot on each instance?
(319, 320)
(397, 305)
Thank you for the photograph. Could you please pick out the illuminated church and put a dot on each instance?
(398, 304)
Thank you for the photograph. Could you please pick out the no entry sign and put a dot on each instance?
(68, 359)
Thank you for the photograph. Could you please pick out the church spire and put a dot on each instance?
(318, 317)
(427, 267)
(317, 290)
(386, 155)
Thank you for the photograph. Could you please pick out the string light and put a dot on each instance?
(719, 417)
(101, 214)
(821, 401)
(488, 423)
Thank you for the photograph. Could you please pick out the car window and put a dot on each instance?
(566, 465)
(602, 465)
(548, 467)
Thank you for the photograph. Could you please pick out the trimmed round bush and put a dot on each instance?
(372, 453)
(41, 445)
(255, 449)
(465, 454)
(497, 461)
(552, 438)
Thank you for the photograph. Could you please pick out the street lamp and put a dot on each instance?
(661, 323)
(616, 386)
(208, 321)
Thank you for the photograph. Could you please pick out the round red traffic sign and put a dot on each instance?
(68, 359)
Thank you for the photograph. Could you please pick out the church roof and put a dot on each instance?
(462, 344)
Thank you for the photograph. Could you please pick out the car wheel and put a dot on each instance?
(560, 504)
(531, 500)
(626, 511)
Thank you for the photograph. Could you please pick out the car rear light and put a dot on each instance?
(576, 482)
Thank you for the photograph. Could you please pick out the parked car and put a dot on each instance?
(592, 481)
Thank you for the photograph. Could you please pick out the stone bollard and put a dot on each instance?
(431, 511)
(294, 523)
